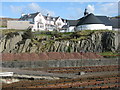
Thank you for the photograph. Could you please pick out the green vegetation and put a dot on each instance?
(110, 54)
(27, 34)
(80, 38)
(55, 35)
(88, 32)
(85, 32)
(3, 26)
(6, 31)
(73, 36)
(42, 36)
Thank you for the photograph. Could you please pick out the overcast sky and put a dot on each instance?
(67, 10)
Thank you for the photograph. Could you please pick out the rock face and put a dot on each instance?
(19, 42)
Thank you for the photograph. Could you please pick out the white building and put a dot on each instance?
(44, 23)
(92, 22)
(41, 22)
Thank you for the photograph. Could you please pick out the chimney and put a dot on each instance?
(48, 16)
(86, 12)
(22, 14)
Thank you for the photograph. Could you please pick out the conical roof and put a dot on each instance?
(89, 19)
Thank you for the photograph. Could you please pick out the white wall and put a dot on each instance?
(39, 21)
(59, 20)
(6, 74)
(71, 29)
(91, 27)
(21, 25)
(50, 22)
(116, 29)
(109, 27)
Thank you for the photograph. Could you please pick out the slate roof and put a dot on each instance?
(89, 19)
(58, 17)
(115, 23)
(33, 15)
(25, 17)
(50, 18)
(105, 20)
(65, 26)
(72, 22)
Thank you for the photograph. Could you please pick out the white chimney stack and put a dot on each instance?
(22, 14)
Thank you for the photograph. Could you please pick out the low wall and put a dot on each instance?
(18, 25)
(59, 63)
(54, 59)
(49, 56)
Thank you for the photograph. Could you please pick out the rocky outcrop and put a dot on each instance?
(19, 42)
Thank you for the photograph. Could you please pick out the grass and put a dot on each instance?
(45, 32)
(84, 32)
(3, 26)
(40, 36)
(110, 54)
(80, 38)
(6, 31)
(88, 32)
(73, 36)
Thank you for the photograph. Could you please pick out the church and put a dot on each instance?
(89, 21)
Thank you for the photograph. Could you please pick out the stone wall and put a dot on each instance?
(3, 21)
(59, 63)
(21, 25)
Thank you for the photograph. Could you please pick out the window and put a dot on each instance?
(41, 26)
(40, 20)
(37, 25)
(59, 24)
